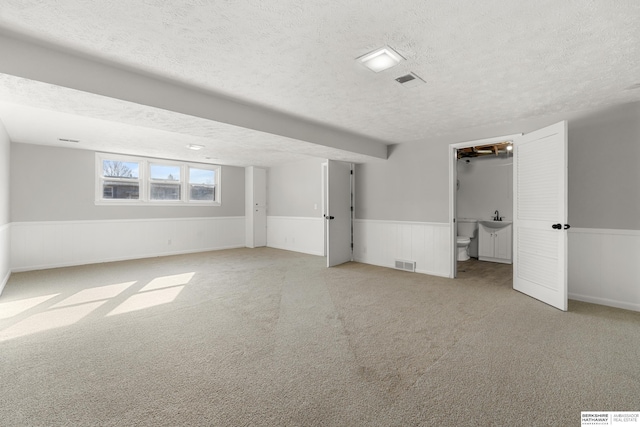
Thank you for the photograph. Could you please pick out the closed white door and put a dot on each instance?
(338, 217)
(260, 207)
(540, 215)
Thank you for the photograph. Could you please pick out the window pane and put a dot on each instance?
(202, 184)
(202, 176)
(165, 191)
(165, 172)
(202, 192)
(120, 190)
(118, 169)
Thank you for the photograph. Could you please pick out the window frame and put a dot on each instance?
(100, 179)
(144, 181)
(216, 183)
(180, 182)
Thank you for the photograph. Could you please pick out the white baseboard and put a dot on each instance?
(604, 268)
(4, 281)
(605, 301)
(298, 234)
(380, 243)
(41, 245)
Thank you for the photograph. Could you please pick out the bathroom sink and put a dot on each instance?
(495, 224)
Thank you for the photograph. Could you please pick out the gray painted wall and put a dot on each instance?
(412, 185)
(58, 184)
(295, 189)
(604, 169)
(486, 185)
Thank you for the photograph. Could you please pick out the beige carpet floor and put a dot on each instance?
(263, 337)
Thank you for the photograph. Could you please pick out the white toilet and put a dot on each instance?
(467, 230)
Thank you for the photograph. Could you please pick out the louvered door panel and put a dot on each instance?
(540, 175)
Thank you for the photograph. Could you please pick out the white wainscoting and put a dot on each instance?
(39, 245)
(5, 255)
(382, 242)
(604, 267)
(299, 234)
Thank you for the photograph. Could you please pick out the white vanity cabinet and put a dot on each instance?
(494, 241)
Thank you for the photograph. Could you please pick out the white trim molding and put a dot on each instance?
(298, 234)
(604, 268)
(380, 242)
(51, 244)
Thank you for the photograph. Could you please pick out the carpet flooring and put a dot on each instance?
(264, 337)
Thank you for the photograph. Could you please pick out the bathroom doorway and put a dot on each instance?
(481, 189)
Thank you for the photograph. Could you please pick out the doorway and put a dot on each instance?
(475, 164)
(539, 238)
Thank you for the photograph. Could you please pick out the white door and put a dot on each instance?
(338, 217)
(540, 215)
(260, 206)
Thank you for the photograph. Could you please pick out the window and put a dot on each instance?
(202, 184)
(120, 180)
(165, 182)
(137, 180)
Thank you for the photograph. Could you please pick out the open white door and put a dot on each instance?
(338, 215)
(540, 215)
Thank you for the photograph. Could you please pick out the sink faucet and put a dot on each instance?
(497, 217)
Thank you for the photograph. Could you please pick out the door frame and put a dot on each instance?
(453, 178)
(324, 176)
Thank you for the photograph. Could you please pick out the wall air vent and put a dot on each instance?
(410, 80)
(406, 265)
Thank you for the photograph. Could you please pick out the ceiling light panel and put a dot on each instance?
(381, 59)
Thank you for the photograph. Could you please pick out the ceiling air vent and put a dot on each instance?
(410, 80)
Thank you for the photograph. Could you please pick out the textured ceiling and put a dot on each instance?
(40, 113)
(483, 62)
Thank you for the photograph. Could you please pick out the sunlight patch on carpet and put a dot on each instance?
(147, 300)
(13, 308)
(168, 281)
(50, 319)
(95, 294)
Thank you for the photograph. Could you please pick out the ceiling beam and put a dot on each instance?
(37, 60)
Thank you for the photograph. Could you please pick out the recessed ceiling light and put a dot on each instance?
(381, 59)
(195, 147)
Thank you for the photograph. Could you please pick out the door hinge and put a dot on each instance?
(351, 171)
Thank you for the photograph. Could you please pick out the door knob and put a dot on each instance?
(557, 226)
(567, 226)
(328, 217)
